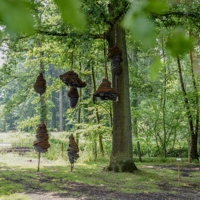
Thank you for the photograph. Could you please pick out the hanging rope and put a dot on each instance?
(105, 58)
(72, 60)
(115, 35)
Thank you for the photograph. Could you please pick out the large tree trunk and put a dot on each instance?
(122, 156)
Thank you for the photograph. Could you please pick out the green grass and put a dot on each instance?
(18, 175)
(14, 197)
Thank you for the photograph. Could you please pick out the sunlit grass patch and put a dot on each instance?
(21, 176)
(15, 197)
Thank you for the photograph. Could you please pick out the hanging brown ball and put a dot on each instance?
(40, 84)
(105, 92)
(115, 56)
(71, 78)
(73, 96)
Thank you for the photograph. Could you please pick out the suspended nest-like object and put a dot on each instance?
(71, 78)
(115, 56)
(72, 150)
(105, 92)
(41, 143)
(40, 84)
(73, 96)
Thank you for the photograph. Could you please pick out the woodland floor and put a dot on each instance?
(92, 193)
(70, 190)
(78, 191)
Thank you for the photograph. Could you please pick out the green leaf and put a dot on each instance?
(142, 30)
(16, 16)
(157, 6)
(178, 43)
(71, 13)
(154, 68)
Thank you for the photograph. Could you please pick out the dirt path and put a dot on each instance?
(79, 191)
(69, 190)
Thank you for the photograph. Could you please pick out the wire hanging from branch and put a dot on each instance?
(41, 143)
(72, 60)
(105, 59)
(115, 35)
(115, 56)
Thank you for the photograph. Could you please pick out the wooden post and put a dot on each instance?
(179, 171)
(95, 151)
(139, 152)
(189, 151)
(38, 162)
(72, 167)
(62, 149)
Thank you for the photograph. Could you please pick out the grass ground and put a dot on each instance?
(157, 178)
(19, 178)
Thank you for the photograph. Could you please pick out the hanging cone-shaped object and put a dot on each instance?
(41, 143)
(73, 96)
(115, 56)
(71, 78)
(72, 150)
(105, 92)
(40, 84)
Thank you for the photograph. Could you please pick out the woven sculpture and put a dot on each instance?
(41, 143)
(115, 56)
(105, 92)
(40, 84)
(73, 96)
(72, 150)
(71, 78)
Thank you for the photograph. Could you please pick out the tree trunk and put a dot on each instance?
(78, 117)
(193, 133)
(163, 102)
(194, 149)
(61, 110)
(139, 152)
(121, 159)
(54, 111)
(97, 115)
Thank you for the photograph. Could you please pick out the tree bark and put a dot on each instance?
(121, 159)
(194, 149)
(61, 109)
(163, 102)
(193, 133)
(54, 125)
(97, 117)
